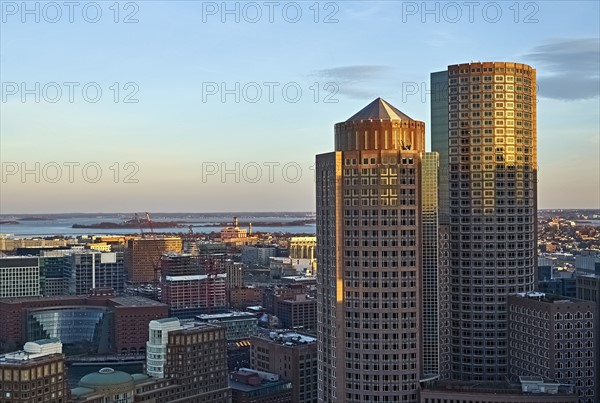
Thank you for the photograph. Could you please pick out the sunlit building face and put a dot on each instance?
(369, 254)
(484, 128)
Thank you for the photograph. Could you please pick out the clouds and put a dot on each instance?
(568, 69)
(355, 81)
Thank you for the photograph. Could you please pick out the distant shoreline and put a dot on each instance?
(180, 224)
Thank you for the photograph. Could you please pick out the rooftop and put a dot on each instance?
(166, 320)
(379, 109)
(525, 385)
(33, 350)
(227, 315)
(192, 277)
(105, 377)
(136, 301)
(548, 298)
(243, 387)
(289, 338)
(84, 300)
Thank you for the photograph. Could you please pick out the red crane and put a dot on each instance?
(157, 260)
(208, 263)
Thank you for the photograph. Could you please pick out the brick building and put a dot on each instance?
(240, 298)
(202, 375)
(553, 336)
(249, 386)
(34, 374)
(291, 355)
(109, 324)
(300, 312)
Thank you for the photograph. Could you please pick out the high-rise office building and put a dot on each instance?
(485, 133)
(369, 254)
(89, 270)
(54, 272)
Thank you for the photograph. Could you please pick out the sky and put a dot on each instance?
(192, 106)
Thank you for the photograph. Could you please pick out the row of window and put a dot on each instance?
(487, 78)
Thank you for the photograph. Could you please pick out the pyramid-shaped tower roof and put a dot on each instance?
(379, 109)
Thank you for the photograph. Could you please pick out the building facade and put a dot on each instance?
(19, 276)
(96, 324)
(240, 298)
(156, 347)
(291, 355)
(369, 258)
(90, 270)
(235, 274)
(54, 272)
(554, 337)
(34, 374)
(196, 360)
(303, 247)
(239, 325)
(299, 312)
(258, 255)
(142, 258)
(429, 275)
(527, 389)
(188, 296)
(249, 386)
(487, 141)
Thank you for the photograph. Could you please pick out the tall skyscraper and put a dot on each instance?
(487, 141)
(369, 254)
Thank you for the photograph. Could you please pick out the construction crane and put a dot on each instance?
(156, 260)
(208, 262)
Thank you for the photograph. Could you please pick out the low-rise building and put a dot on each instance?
(250, 386)
(34, 374)
(298, 313)
(188, 296)
(235, 274)
(19, 276)
(240, 325)
(199, 377)
(95, 324)
(291, 355)
(285, 266)
(525, 390)
(156, 347)
(303, 247)
(554, 337)
(105, 386)
(240, 298)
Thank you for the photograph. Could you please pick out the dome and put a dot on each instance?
(106, 378)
